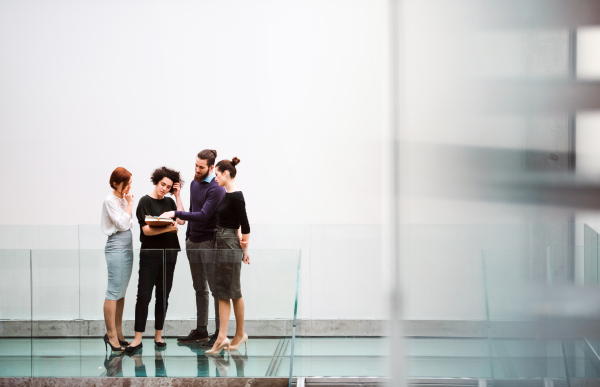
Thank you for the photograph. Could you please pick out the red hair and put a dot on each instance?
(119, 175)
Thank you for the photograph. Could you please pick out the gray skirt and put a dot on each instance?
(119, 261)
(227, 266)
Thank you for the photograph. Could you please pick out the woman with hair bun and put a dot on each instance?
(230, 252)
(116, 223)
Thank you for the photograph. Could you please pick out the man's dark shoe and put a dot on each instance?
(200, 334)
(213, 339)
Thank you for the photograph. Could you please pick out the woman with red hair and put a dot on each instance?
(116, 223)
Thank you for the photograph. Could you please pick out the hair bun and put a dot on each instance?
(235, 161)
(215, 152)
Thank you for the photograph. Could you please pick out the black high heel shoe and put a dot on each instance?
(160, 344)
(122, 343)
(130, 350)
(114, 349)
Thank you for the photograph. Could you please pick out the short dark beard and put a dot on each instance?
(201, 178)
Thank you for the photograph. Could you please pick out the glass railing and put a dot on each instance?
(16, 325)
(574, 307)
(520, 340)
(52, 319)
(492, 280)
(542, 313)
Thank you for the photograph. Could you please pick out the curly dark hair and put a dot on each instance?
(171, 174)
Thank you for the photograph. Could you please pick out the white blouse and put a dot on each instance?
(114, 217)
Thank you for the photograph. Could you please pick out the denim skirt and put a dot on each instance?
(227, 257)
(119, 261)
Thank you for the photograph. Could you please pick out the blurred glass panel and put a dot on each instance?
(507, 277)
(341, 356)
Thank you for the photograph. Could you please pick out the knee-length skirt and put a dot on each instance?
(119, 262)
(227, 258)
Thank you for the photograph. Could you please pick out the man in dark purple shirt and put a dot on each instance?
(205, 197)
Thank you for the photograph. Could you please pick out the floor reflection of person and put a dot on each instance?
(139, 367)
(113, 364)
(160, 370)
(229, 252)
(116, 223)
(222, 365)
(202, 359)
(240, 362)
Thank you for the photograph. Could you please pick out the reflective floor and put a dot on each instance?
(426, 358)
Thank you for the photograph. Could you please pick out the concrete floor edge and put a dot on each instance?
(313, 328)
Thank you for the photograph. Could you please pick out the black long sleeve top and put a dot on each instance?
(231, 212)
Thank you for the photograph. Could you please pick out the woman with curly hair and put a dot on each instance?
(158, 244)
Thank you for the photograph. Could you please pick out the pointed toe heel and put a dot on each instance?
(224, 345)
(243, 340)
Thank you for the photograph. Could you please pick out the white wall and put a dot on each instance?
(297, 90)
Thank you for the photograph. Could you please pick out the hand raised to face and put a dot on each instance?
(128, 197)
(176, 189)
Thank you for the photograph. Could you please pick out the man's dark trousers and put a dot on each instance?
(198, 255)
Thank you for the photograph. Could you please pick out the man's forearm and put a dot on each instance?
(191, 216)
(202, 216)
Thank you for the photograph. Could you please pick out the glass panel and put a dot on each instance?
(507, 278)
(56, 313)
(93, 279)
(69, 293)
(580, 298)
(55, 288)
(557, 309)
(341, 356)
(515, 304)
(268, 287)
(15, 313)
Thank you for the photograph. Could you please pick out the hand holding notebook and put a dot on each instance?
(155, 221)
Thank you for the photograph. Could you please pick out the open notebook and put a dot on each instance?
(155, 221)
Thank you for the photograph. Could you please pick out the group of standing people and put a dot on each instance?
(217, 241)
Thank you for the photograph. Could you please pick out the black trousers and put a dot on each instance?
(156, 271)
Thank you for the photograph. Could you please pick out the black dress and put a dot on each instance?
(231, 214)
